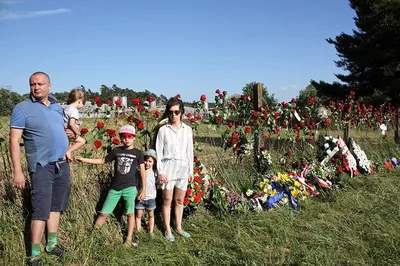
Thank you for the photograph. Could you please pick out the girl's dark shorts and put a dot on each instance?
(51, 189)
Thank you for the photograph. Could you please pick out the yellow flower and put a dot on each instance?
(274, 192)
(295, 193)
(261, 186)
(297, 184)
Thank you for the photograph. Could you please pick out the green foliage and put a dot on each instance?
(269, 99)
(9, 99)
(370, 55)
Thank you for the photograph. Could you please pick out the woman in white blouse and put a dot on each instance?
(174, 147)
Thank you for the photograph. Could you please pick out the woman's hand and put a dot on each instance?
(162, 179)
(191, 178)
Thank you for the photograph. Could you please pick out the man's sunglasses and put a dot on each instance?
(175, 112)
(126, 136)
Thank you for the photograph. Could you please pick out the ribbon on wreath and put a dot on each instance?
(281, 192)
(395, 162)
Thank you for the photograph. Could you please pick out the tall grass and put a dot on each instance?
(357, 225)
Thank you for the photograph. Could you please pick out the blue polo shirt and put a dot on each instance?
(43, 131)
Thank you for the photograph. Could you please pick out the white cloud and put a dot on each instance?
(9, 15)
(288, 87)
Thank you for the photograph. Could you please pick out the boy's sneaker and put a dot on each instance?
(58, 251)
(34, 262)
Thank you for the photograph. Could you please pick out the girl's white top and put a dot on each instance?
(71, 112)
(151, 190)
(174, 145)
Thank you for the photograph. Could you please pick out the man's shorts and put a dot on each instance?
(51, 189)
(129, 196)
(149, 205)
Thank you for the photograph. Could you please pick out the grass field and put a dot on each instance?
(357, 225)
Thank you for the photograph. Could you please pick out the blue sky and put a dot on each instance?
(191, 47)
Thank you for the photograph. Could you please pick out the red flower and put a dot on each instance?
(140, 108)
(115, 141)
(266, 137)
(186, 201)
(198, 197)
(218, 120)
(217, 91)
(192, 120)
(136, 101)
(189, 115)
(111, 132)
(198, 117)
(130, 118)
(157, 114)
(109, 102)
(140, 125)
(197, 187)
(97, 143)
(97, 99)
(100, 125)
(198, 179)
(288, 154)
(339, 169)
(230, 124)
(178, 96)
(150, 99)
(118, 102)
(189, 192)
(99, 104)
(248, 130)
(203, 98)
(84, 130)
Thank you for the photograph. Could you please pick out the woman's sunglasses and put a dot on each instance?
(175, 112)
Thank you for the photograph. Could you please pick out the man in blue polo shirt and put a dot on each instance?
(39, 122)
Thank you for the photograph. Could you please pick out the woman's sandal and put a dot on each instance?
(183, 234)
(170, 238)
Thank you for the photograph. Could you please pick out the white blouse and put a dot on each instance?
(174, 145)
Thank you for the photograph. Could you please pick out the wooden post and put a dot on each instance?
(258, 99)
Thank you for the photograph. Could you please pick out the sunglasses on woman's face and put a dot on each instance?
(174, 112)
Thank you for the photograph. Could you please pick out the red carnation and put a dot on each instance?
(140, 125)
(100, 125)
(136, 101)
(118, 102)
(111, 132)
(203, 98)
(186, 202)
(115, 141)
(84, 130)
(157, 114)
(189, 192)
(150, 99)
(97, 143)
(248, 130)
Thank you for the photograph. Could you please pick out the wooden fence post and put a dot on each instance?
(258, 99)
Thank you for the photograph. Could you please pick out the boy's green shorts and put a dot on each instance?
(129, 196)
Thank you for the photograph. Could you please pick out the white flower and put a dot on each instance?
(326, 145)
(249, 192)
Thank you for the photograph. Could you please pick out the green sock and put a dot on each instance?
(35, 250)
(51, 241)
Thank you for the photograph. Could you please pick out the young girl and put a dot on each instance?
(76, 100)
(149, 203)
(124, 182)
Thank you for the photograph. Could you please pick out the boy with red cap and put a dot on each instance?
(123, 184)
